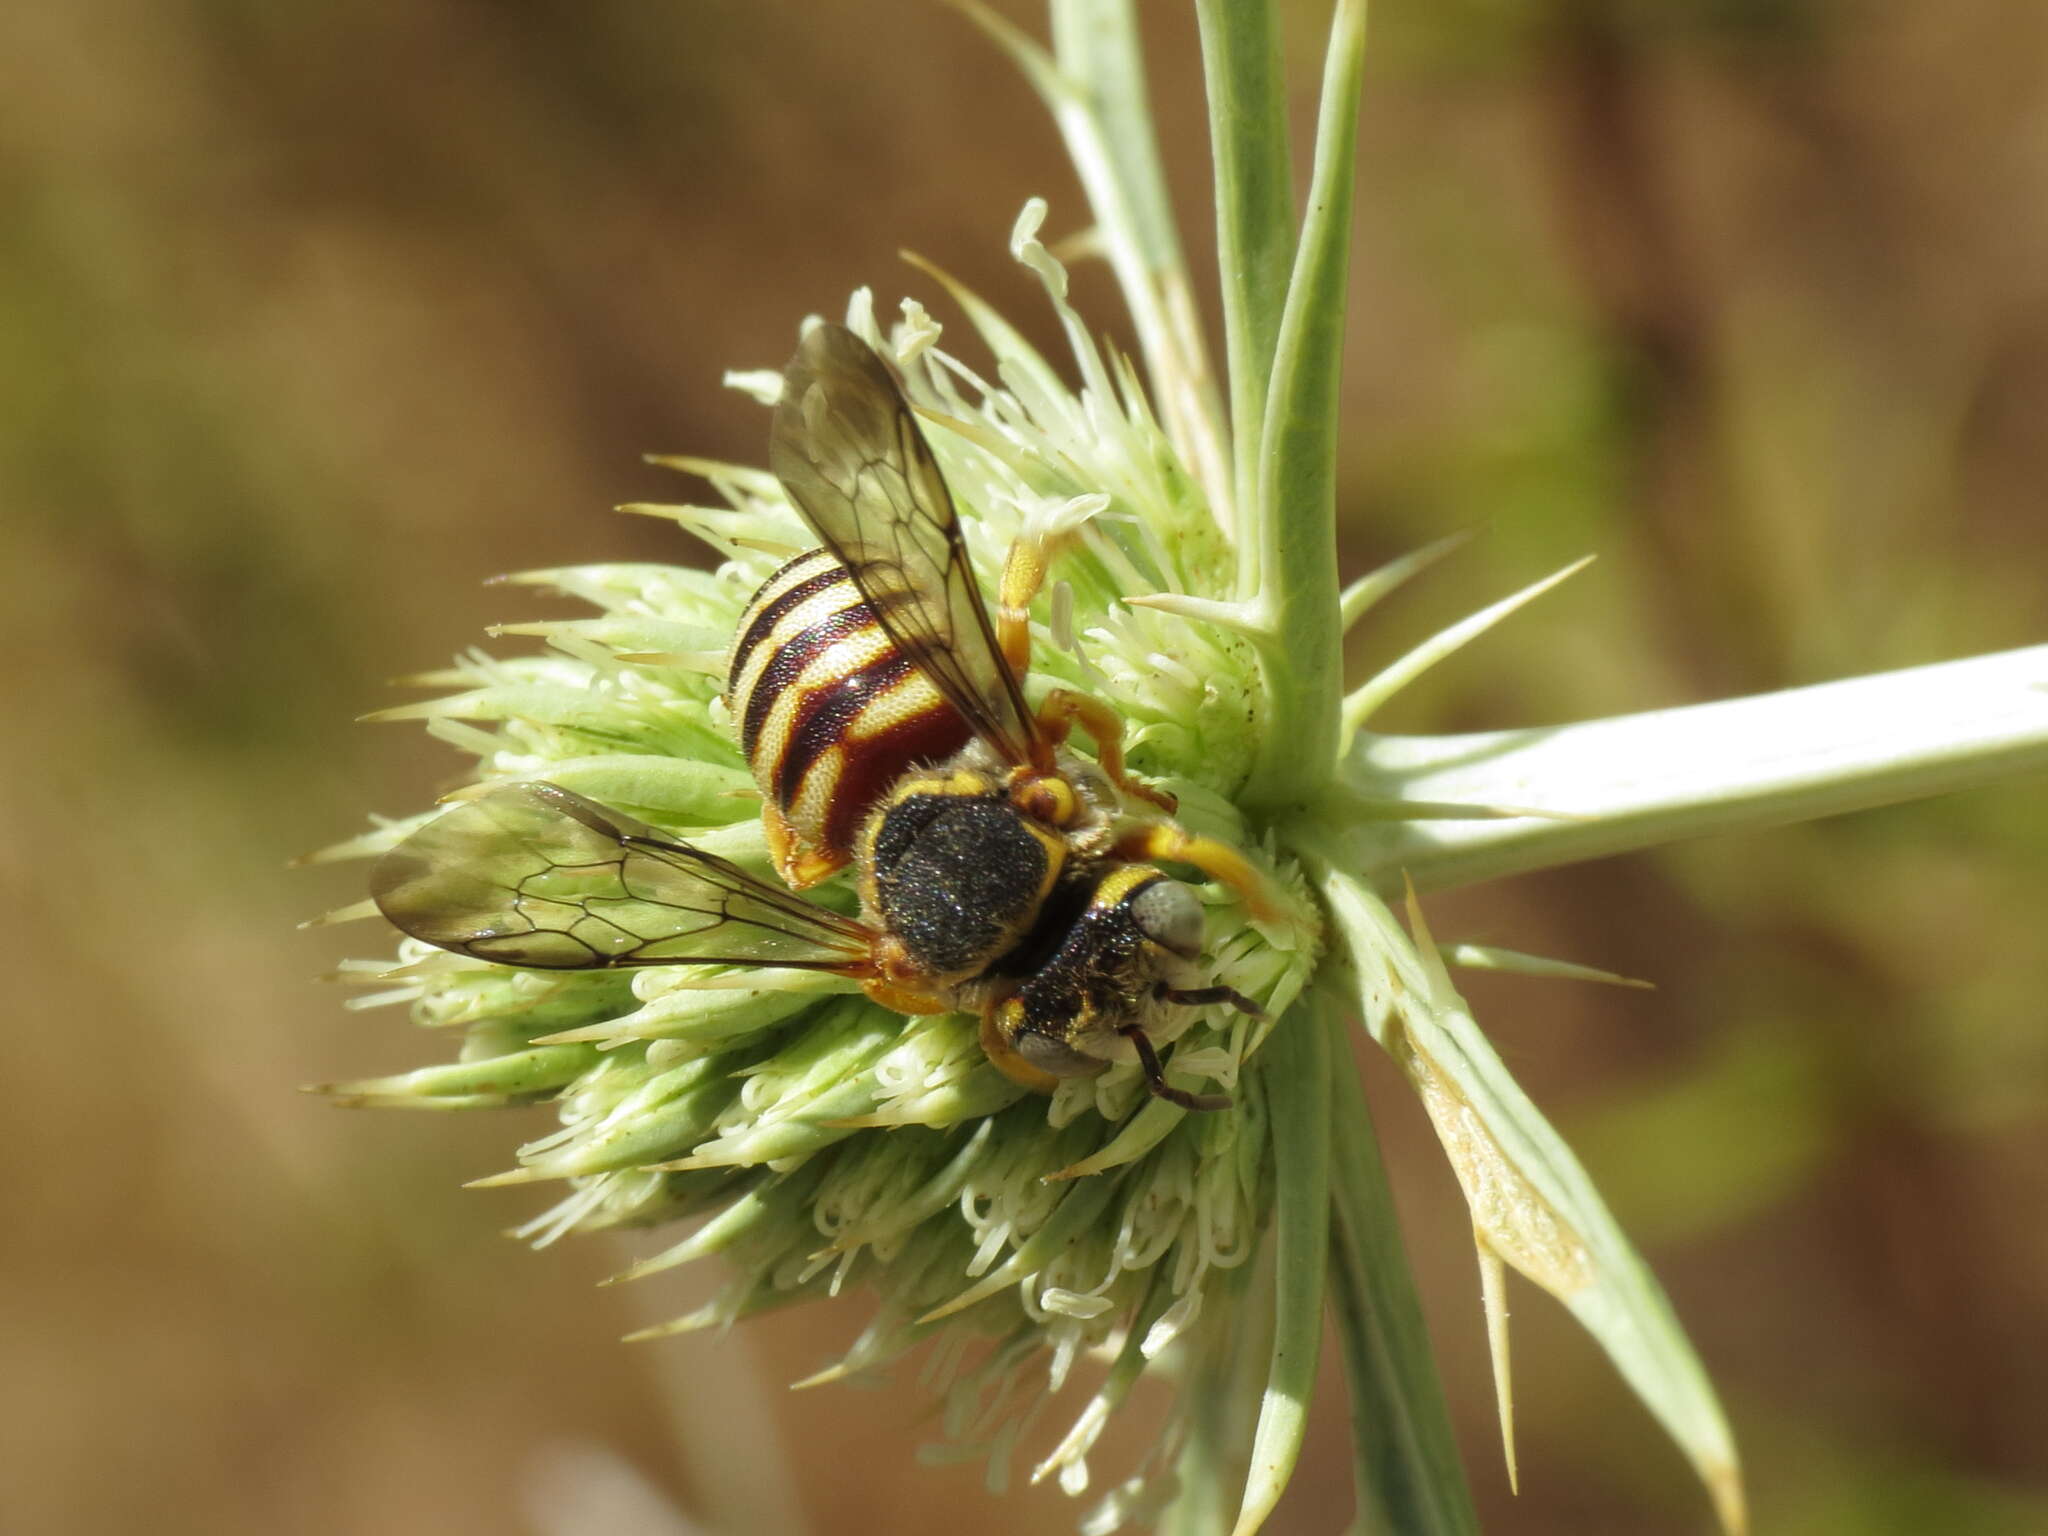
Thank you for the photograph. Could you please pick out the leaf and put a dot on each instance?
(1295, 1070)
(1254, 206)
(1410, 1480)
(1531, 1202)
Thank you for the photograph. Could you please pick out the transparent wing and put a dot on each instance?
(530, 874)
(849, 452)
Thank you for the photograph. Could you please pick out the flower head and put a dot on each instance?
(829, 1144)
(825, 1144)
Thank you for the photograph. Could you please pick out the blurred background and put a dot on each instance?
(314, 316)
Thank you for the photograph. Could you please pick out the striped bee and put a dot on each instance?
(882, 712)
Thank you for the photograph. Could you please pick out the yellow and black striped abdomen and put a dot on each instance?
(830, 713)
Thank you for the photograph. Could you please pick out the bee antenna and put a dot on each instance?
(1155, 1078)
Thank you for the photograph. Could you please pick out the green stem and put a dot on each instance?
(1409, 1478)
(1291, 581)
(1254, 208)
(1739, 765)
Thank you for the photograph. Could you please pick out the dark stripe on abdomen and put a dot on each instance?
(763, 623)
(788, 664)
(825, 713)
(871, 767)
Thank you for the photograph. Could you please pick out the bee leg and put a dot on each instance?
(800, 865)
(1155, 1077)
(1219, 861)
(1063, 709)
(1196, 997)
(902, 999)
(1024, 573)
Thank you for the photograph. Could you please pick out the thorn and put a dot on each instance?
(1363, 700)
(654, 1264)
(584, 1034)
(830, 1374)
(1375, 585)
(685, 463)
(355, 911)
(425, 709)
(1486, 957)
(1493, 1292)
(693, 1322)
(530, 1174)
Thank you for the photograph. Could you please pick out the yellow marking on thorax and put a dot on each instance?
(958, 781)
(1120, 882)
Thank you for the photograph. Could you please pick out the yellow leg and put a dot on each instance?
(902, 999)
(800, 865)
(1219, 861)
(1024, 574)
(1063, 709)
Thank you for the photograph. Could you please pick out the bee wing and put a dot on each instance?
(530, 874)
(849, 453)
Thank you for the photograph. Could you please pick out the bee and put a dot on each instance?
(882, 712)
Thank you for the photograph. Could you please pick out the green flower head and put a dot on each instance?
(1043, 1252)
(829, 1143)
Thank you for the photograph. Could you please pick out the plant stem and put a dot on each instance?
(1291, 575)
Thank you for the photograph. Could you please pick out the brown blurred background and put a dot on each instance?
(313, 316)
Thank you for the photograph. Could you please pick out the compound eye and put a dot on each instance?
(1168, 914)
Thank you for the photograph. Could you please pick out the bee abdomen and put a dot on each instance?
(830, 712)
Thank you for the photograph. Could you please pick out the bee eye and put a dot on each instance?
(1168, 914)
(1054, 1057)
